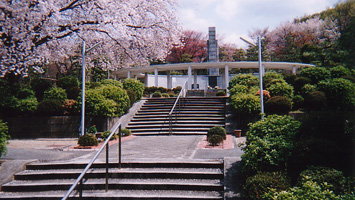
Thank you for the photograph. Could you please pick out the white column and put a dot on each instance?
(128, 74)
(146, 79)
(223, 86)
(168, 79)
(195, 79)
(226, 76)
(294, 70)
(189, 82)
(156, 77)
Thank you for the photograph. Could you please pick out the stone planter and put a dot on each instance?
(237, 133)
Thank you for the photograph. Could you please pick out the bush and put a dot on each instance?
(278, 105)
(28, 105)
(177, 89)
(135, 85)
(132, 96)
(50, 107)
(339, 72)
(244, 79)
(39, 86)
(307, 89)
(245, 103)
(166, 95)
(280, 89)
(105, 135)
(3, 138)
(125, 132)
(217, 130)
(69, 107)
(221, 93)
(112, 82)
(269, 144)
(256, 186)
(339, 92)
(238, 89)
(214, 140)
(55, 93)
(25, 93)
(67, 82)
(88, 140)
(300, 82)
(332, 178)
(298, 102)
(269, 76)
(315, 100)
(157, 94)
(315, 74)
(275, 81)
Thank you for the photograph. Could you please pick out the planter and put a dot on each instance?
(237, 133)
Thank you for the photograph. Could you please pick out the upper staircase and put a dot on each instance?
(192, 115)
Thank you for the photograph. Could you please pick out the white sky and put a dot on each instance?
(236, 18)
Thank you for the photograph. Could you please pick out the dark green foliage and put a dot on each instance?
(256, 186)
(340, 93)
(55, 93)
(166, 95)
(214, 140)
(269, 144)
(112, 82)
(297, 102)
(125, 132)
(315, 74)
(333, 178)
(132, 96)
(300, 82)
(67, 82)
(315, 100)
(238, 89)
(217, 130)
(177, 89)
(278, 105)
(270, 76)
(244, 79)
(73, 92)
(25, 93)
(40, 85)
(27, 106)
(339, 72)
(281, 89)
(105, 135)
(88, 140)
(245, 103)
(92, 129)
(156, 94)
(3, 138)
(49, 107)
(307, 89)
(135, 85)
(221, 93)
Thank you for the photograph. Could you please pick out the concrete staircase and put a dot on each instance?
(190, 180)
(197, 115)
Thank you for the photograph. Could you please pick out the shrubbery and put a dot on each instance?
(245, 103)
(135, 85)
(278, 105)
(88, 140)
(125, 132)
(3, 138)
(50, 107)
(55, 93)
(315, 74)
(280, 89)
(244, 79)
(216, 135)
(105, 135)
(157, 94)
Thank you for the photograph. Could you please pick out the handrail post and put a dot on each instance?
(119, 147)
(106, 175)
(81, 189)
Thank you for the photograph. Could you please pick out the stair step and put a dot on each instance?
(174, 126)
(191, 122)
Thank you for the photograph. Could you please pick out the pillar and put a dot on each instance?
(189, 81)
(156, 82)
(195, 79)
(146, 79)
(294, 70)
(168, 79)
(226, 77)
(128, 74)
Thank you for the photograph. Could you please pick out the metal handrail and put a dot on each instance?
(177, 100)
(81, 176)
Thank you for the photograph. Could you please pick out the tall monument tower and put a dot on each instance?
(212, 55)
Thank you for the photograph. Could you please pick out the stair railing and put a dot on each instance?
(79, 180)
(178, 104)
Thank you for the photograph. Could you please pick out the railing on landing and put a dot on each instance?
(81, 176)
(178, 104)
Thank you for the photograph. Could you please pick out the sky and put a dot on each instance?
(236, 18)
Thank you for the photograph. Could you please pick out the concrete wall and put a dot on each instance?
(54, 126)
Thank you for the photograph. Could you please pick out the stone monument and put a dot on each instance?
(212, 56)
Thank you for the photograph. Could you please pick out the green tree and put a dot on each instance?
(3, 138)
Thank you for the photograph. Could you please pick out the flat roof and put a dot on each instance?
(207, 65)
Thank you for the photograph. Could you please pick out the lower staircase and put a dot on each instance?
(196, 116)
(189, 180)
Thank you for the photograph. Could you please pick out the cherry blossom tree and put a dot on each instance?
(131, 32)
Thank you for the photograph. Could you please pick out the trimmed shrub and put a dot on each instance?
(118, 95)
(339, 72)
(315, 100)
(214, 140)
(270, 76)
(300, 82)
(256, 186)
(3, 138)
(105, 135)
(177, 89)
(28, 105)
(157, 94)
(315, 74)
(238, 89)
(275, 81)
(135, 85)
(307, 89)
(278, 105)
(298, 102)
(125, 132)
(217, 130)
(132, 96)
(280, 89)
(244, 79)
(67, 82)
(112, 82)
(25, 93)
(55, 93)
(50, 107)
(88, 140)
(39, 86)
(245, 103)
(332, 178)
(165, 95)
(221, 93)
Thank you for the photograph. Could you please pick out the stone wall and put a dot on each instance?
(54, 126)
